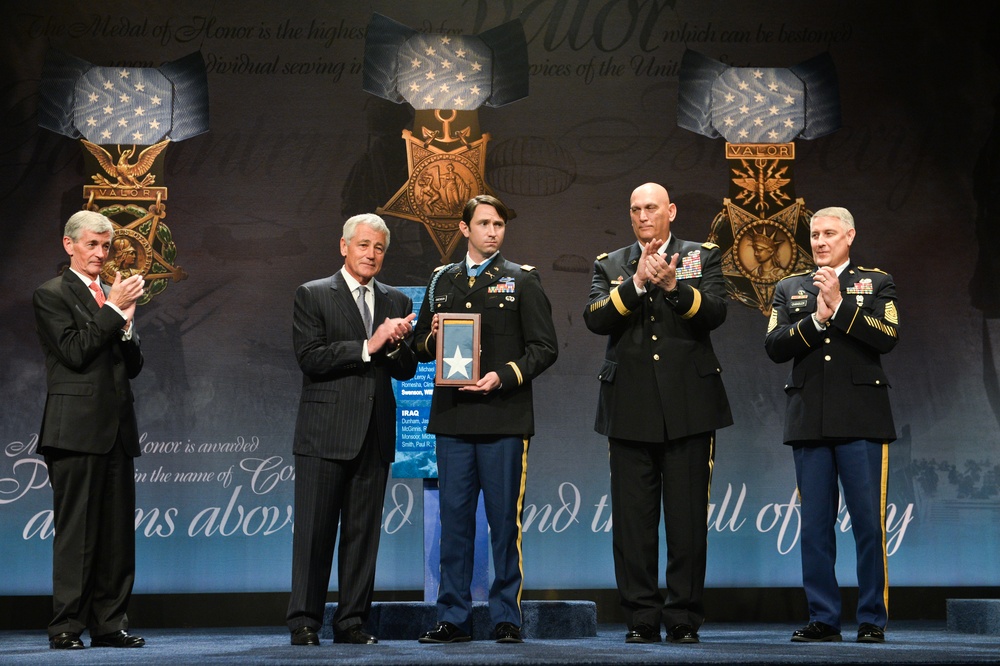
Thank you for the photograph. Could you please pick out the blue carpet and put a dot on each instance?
(908, 643)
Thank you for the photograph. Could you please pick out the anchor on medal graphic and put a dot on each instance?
(446, 78)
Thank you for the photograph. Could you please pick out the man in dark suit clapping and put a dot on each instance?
(345, 434)
(89, 437)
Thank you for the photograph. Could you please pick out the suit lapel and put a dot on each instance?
(847, 278)
(632, 262)
(459, 279)
(382, 304)
(81, 291)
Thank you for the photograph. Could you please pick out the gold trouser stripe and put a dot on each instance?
(616, 298)
(711, 470)
(885, 554)
(711, 465)
(520, 508)
(694, 306)
(520, 377)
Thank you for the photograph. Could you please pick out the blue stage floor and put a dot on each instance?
(908, 643)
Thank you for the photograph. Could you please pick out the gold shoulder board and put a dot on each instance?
(872, 270)
(526, 267)
(602, 256)
(708, 245)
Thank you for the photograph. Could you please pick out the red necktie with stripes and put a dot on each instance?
(98, 293)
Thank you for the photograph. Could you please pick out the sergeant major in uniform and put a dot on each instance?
(834, 324)
(483, 429)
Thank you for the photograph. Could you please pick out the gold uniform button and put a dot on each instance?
(826, 340)
(826, 358)
(654, 337)
(656, 357)
(652, 318)
(468, 305)
(877, 382)
(501, 305)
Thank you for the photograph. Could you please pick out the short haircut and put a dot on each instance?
(470, 207)
(369, 220)
(87, 220)
(841, 214)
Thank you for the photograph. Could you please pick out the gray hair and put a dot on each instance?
(841, 214)
(371, 220)
(87, 220)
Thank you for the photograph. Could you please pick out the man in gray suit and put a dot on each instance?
(89, 437)
(345, 434)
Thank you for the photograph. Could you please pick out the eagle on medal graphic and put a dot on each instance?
(125, 118)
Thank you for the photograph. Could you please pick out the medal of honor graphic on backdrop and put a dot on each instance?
(445, 78)
(125, 117)
(763, 228)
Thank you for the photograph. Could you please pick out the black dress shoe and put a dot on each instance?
(117, 639)
(643, 633)
(354, 634)
(683, 633)
(67, 640)
(870, 633)
(816, 632)
(505, 632)
(305, 636)
(445, 632)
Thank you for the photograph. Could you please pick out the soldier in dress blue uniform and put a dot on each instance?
(483, 429)
(834, 324)
(661, 401)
